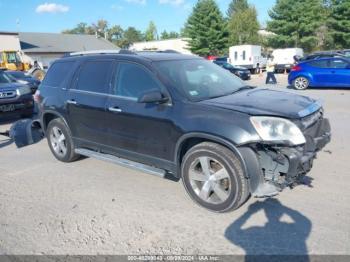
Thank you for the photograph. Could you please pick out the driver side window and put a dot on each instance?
(133, 80)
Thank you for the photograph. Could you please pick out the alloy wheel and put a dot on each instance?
(301, 83)
(58, 141)
(210, 180)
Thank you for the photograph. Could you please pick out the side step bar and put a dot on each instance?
(122, 162)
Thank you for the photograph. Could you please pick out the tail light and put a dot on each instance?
(296, 68)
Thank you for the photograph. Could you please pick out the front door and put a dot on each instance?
(340, 70)
(137, 129)
(86, 102)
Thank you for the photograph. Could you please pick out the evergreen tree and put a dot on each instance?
(151, 32)
(207, 29)
(296, 23)
(243, 27)
(236, 6)
(339, 23)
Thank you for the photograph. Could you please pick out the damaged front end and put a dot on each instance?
(277, 166)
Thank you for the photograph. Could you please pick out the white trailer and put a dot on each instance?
(284, 58)
(248, 56)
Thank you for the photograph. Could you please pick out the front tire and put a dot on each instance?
(301, 83)
(213, 177)
(60, 141)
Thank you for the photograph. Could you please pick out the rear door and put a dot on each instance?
(321, 72)
(138, 131)
(340, 70)
(87, 99)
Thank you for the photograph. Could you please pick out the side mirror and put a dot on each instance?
(152, 96)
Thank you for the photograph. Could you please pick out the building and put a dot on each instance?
(46, 47)
(9, 41)
(179, 45)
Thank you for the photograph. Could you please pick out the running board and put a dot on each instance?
(122, 162)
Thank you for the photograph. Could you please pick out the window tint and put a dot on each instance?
(57, 73)
(243, 55)
(320, 63)
(236, 55)
(93, 76)
(338, 63)
(133, 80)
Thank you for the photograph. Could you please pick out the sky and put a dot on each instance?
(56, 15)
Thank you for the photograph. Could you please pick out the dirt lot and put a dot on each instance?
(93, 207)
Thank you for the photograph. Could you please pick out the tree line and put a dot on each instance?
(312, 25)
(119, 36)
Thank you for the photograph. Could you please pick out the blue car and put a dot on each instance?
(325, 72)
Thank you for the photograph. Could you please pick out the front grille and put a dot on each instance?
(7, 94)
(310, 120)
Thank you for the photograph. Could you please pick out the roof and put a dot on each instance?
(8, 33)
(61, 43)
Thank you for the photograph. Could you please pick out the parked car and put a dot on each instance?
(241, 72)
(22, 78)
(15, 98)
(324, 54)
(181, 116)
(325, 72)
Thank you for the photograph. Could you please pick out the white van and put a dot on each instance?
(284, 58)
(248, 56)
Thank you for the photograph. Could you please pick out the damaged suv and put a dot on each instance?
(174, 115)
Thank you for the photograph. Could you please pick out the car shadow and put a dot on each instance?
(277, 239)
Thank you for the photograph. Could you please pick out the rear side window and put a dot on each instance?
(133, 80)
(338, 63)
(58, 73)
(243, 55)
(94, 76)
(320, 64)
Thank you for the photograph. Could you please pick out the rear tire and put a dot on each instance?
(301, 83)
(60, 141)
(213, 177)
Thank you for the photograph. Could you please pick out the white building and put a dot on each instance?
(9, 41)
(179, 45)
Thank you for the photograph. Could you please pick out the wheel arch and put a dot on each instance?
(48, 116)
(189, 140)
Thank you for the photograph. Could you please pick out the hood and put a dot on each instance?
(267, 102)
(10, 86)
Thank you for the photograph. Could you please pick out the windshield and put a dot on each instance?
(4, 78)
(199, 79)
(13, 57)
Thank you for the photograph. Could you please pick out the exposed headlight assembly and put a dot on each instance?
(24, 90)
(274, 129)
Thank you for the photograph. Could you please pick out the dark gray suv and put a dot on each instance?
(181, 116)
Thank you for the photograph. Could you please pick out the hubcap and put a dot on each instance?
(210, 180)
(58, 141)
(301, 83)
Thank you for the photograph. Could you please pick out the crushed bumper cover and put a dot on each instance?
(276, 167)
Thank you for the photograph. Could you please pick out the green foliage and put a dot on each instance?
(339, 23)
(81, 28)
(171, 35)
(298, 23)
(243, 26)
(206, 28)
(236, 6)
(151, 32)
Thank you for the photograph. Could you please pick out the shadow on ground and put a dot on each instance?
(277, 237)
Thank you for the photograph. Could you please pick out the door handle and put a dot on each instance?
(72, 102)
(115, 109)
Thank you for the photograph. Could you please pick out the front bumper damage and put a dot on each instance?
(279, 166)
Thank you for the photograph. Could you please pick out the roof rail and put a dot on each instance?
(102, 52)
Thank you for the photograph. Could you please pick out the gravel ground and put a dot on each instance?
(93, 207)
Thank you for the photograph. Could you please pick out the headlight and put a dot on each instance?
(277, 129)
(24, 90)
